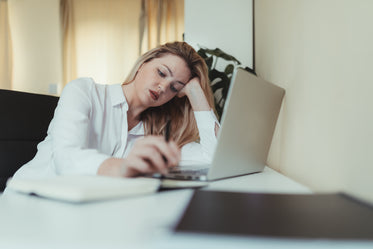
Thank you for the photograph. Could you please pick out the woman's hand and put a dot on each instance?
(189, 86)
(150, 154)
(197, 98)
(195, 94)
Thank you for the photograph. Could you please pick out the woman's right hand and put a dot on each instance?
(150, 154)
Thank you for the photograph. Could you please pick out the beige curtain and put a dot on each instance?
(161, 21)
(100, 38)
(68, 41)
(5, 48)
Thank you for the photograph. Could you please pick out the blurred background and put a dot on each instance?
(44, 44)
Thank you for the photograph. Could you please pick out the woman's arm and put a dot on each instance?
(69, 130)
(197, 98)
(208, 126)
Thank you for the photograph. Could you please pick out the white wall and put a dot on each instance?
(36, 41)
(226, 24)
(321, 52)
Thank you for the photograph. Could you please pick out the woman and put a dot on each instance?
(118, 130)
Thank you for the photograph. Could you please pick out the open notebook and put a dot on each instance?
(75, 188)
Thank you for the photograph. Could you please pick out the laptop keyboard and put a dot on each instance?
(188, 171)
(183, 173)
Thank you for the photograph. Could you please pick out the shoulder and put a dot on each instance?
(83, 87)
(83, 84)
(78, 92)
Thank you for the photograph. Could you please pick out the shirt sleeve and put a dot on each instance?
(202, 152)
(69, 131)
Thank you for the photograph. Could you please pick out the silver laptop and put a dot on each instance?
(247, 126)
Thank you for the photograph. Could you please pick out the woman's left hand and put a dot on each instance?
(195, 94)
(189, 86)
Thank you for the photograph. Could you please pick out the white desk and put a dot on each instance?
(137, 222)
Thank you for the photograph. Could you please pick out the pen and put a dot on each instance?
(167, 137)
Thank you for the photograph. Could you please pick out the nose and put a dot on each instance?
(162, 86)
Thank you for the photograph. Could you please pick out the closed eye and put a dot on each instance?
(161, 73)
(173, 88)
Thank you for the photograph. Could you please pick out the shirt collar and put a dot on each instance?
(138, 130)
(116, 95)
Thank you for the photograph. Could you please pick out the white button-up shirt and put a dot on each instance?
(90, 126)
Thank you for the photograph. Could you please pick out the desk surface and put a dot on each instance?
(136, 222)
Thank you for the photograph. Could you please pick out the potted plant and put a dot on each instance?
(220, 80)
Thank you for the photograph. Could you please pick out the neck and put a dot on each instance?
(135, 107)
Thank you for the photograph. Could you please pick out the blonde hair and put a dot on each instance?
(178, 110)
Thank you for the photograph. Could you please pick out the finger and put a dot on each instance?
(152, 155)
(134, 166)
(169, 150)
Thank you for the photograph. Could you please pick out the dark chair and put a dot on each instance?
(24, 121)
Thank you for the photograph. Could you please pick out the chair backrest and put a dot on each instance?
(24, 121)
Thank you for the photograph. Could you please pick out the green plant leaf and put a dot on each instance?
(220, 53)
(224, 92)
(218, 85)
(209, 61)
(220, 81)
(229, 69)
(219, 110)
(215, 74)
(202, 53)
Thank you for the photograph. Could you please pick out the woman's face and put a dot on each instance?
(160, 79)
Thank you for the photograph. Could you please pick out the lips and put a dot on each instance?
(154, 95)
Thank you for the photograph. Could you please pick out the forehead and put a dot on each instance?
(175, 63)
(168, 57)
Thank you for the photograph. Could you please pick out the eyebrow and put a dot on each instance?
(169, 70)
